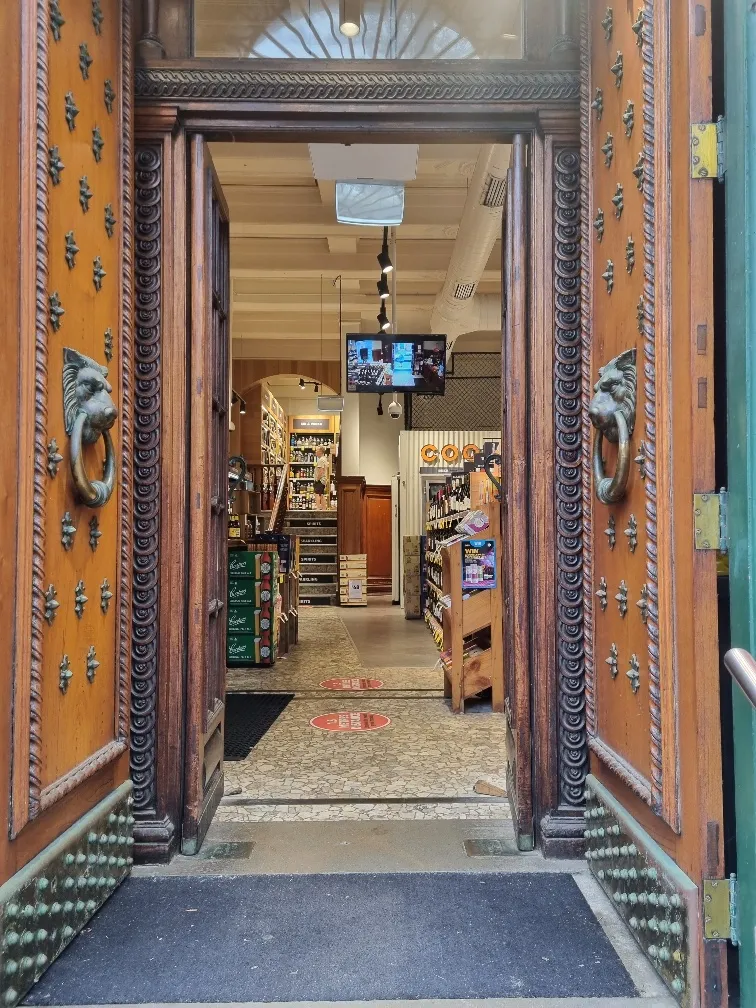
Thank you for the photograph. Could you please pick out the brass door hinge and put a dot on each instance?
(707, 150)
(710, 521)
(720, 909)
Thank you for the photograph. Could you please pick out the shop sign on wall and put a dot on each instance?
(311, 424)
(450, 454)
(478, 563)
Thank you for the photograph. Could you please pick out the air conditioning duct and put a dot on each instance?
(458, 309)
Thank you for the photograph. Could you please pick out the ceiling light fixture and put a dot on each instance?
(383, 319)
(384, 260)
(350, 15)
(383, 288)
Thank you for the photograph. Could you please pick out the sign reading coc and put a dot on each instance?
(450, 454)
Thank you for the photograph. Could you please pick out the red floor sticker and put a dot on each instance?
(350, 721)
(352, 684)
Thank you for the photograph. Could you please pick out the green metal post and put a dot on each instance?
(740, 108)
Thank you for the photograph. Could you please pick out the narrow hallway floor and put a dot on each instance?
(421, 762)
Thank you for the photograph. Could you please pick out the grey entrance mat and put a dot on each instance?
(337, 938)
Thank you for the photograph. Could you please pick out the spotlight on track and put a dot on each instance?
(383, 288)
(350, 15)
(383, 319)
(242, 406)
(384, 259)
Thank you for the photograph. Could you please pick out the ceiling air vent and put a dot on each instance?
(464, 291)
(494, 192)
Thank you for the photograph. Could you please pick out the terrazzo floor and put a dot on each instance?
(423, 766)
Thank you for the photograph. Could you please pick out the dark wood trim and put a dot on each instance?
(516, 517)
(547, 129)
(563, 784)
(521, 87)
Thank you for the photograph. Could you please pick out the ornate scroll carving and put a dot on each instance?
(126, 349)
(649, 386)
(572, 736)
(370, 84)
(40, 410)
(144, 643)
(586, 128)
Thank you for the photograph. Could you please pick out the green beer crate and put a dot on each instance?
(242, 649)
(242, 563)
(244, 591)
(244, 619)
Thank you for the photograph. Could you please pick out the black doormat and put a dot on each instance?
(248, 717)
(345, 937)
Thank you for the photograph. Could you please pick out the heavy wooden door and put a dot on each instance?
(514, 479)
(377, 504)
(654, 797)
(65, 471)
(208, 496)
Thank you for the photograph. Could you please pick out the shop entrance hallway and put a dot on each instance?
(425, 763)
(361, 865)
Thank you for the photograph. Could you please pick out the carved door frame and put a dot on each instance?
(175, 100)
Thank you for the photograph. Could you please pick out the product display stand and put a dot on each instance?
(473, 656)
(469, 619)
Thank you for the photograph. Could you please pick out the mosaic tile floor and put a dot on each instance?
(425, 753)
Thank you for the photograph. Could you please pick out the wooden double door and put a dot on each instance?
(116, 575)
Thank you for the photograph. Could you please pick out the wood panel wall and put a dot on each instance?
(377, 522)
(247, 372)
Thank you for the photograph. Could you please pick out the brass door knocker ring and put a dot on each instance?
(610, 489)
(612, 413)
(89, 414)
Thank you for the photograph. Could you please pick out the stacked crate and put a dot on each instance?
(252, 599)
(353, 579)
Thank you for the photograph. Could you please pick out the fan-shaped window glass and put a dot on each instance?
(388, 29)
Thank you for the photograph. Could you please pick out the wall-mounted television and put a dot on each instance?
(396, 363)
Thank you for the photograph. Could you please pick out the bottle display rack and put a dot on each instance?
(302, 457)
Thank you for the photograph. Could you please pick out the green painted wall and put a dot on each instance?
(740, 107)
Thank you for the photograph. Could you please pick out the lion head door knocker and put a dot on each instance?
(89, 414)
(612, 413)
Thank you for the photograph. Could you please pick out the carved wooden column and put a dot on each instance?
(158, 642)
(149, 45)
(566, 45)
(558, 666)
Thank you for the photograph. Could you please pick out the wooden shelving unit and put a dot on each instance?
(263, 438)
(472, 626)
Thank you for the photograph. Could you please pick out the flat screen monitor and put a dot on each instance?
(396, 364)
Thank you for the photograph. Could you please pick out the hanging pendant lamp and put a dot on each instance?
(350, 15)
